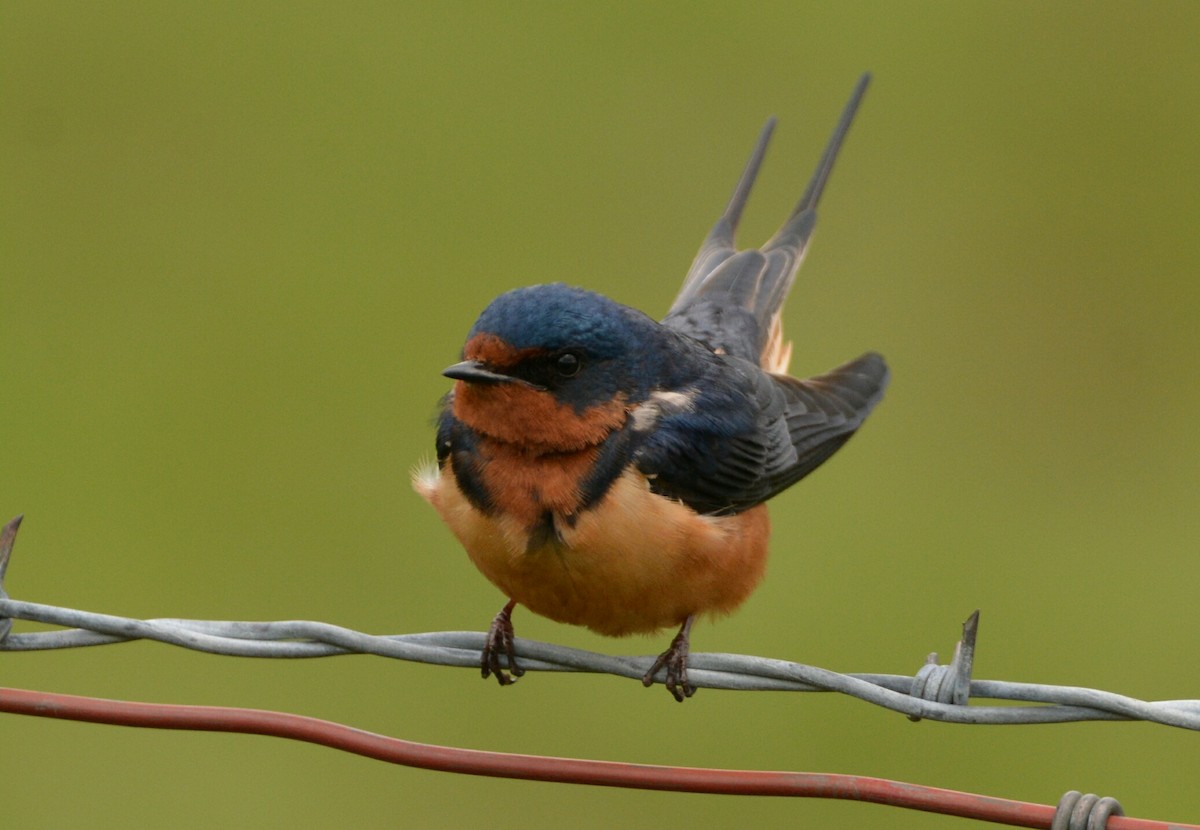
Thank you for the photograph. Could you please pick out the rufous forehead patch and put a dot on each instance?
(495, 352)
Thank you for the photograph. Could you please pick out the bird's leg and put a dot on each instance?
(675, 660)
(500, 640)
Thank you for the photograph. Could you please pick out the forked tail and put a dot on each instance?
(756, 281)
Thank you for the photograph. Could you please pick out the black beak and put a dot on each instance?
(472, 371)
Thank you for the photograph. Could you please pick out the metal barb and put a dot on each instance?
(7, 536)
(949, 684)
(964, 661)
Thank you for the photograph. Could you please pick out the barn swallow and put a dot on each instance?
(606, 470)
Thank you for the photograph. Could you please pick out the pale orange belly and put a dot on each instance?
(637, 562)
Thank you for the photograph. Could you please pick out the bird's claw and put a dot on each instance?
(674, 659)
(500, 641)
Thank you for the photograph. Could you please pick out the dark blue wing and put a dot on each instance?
(749, 435)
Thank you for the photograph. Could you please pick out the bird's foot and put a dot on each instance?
(675, 661)
(500, 641)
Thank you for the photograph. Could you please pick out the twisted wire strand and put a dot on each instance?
(295, 639)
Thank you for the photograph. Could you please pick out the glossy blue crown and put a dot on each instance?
(556, 316)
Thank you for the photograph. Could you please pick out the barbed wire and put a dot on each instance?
(936, 692)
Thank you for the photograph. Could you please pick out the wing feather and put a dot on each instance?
(783, 429)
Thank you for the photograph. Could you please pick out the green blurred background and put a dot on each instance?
(239, 242)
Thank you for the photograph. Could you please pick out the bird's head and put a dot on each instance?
(553, 367)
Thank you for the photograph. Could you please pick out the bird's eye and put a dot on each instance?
(567, 364)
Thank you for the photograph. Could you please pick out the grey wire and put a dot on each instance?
(296, 639)
(1077, 811)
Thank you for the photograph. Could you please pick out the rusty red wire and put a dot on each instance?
(544, 768)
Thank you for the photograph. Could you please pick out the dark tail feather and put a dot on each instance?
(755, 280)
(816, 186)
(792, 239)
(718, 245)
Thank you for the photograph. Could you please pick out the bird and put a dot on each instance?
(607, 470)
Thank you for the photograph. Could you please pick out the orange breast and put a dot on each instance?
(634, 562)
